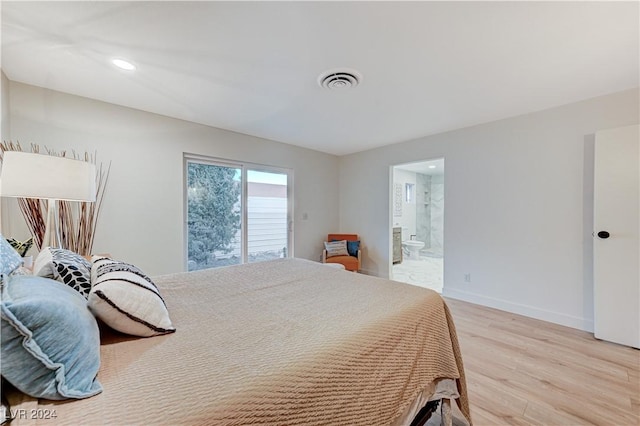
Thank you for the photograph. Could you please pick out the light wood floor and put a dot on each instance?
(521, 371)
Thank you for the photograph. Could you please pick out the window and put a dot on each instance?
(409, 190)
(235, 213)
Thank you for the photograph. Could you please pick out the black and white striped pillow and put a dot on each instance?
(125, 299)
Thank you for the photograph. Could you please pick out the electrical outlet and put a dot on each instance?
(467, 278)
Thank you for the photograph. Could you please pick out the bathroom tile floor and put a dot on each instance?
(426, 272)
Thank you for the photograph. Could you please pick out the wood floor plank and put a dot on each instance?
(522, 371)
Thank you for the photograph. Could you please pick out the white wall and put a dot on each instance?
(5, 133)
(518, 205)
(408, 219)
(4, 90)
(142, 217)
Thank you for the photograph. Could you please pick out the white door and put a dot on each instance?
(616, 246)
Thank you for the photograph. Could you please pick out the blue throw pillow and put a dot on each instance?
(50, 340)
(10, 260)
(352, 247)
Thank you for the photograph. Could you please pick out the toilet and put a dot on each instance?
(413, 247)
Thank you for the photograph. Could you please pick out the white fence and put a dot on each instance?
(267, 227)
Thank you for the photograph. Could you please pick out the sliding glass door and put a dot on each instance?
(267, 215)
(235, 213)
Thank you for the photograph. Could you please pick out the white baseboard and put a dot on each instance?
(516, 308)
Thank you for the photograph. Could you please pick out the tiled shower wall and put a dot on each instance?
(437, 213)
(423, 209)
(430, 211)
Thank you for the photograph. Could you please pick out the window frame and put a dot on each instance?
(244, 166)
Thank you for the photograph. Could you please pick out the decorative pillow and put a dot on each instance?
(65, 266)
(336, 248)
(50, 341)
(10, 260)
(352, 247)
(22, 247)
(21, 271)
(126, 299)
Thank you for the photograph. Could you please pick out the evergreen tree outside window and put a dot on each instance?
(214, 214)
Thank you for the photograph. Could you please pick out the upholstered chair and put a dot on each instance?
(350, 260)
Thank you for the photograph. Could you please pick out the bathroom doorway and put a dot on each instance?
(417, 224)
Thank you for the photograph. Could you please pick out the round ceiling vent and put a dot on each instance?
(339, 79)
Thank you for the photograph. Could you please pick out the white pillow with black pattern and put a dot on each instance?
(125, 299)
(65, 266)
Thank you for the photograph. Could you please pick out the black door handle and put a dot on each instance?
(604, 235)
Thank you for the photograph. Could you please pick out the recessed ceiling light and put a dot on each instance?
(124, 65)
(432, 167)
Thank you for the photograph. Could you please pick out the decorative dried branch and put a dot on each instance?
(77, 220)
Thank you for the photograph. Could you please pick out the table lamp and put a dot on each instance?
(31, 175)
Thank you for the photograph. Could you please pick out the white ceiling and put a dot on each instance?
(252, 67)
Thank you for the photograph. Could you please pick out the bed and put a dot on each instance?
(285, 342)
